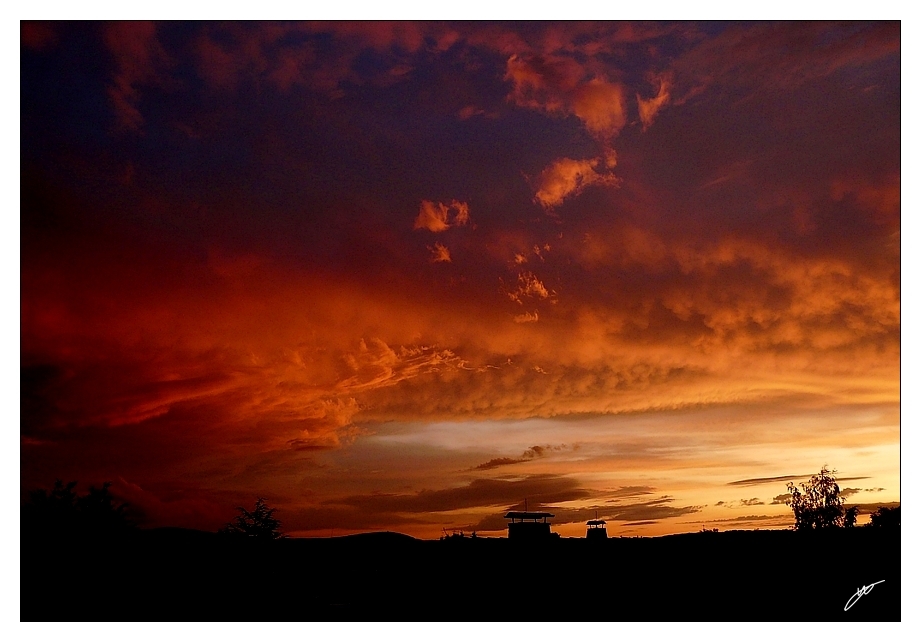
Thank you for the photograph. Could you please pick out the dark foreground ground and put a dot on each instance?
(176, 575)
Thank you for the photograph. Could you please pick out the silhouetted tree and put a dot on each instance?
(259, 523)
(819, 505)
(885, 517)
(850, 517)
(62, 512)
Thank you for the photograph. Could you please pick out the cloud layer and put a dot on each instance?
(246, 265)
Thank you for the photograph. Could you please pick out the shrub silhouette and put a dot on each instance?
(819, 505)
(259, 523)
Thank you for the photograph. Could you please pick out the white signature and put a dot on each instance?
(860, 593)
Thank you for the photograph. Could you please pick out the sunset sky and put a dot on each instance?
(404, 276)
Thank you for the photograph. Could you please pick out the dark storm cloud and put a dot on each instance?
(868, 508)
(754, 501)
(649, 512)
(499, 461)
(656, 509)
(543, 489)
(745, 518)
(631, 491)
(757, 481)
(534, 452)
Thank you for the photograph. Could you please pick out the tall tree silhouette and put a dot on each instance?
(819, 505)
(260, 523)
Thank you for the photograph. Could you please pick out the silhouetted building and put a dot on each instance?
(596, 529)
(528, 526)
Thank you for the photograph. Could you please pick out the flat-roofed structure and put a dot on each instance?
(596, 529)
(528, 526)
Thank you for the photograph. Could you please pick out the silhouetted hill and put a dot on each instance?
(179, 574)
(374, 539)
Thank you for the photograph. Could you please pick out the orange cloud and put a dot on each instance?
(567, 177)
(440, 254)
(529, 286)
(560, 85)
(438, 217)
(526, 317)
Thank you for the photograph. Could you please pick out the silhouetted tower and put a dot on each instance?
(528, 526)
(596, 529)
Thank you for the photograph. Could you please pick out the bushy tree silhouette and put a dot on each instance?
(259, 523)
(62, 512)
(885, 517)
(819, 505)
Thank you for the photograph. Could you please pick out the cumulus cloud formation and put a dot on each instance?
(438, 217)
(560, 85)
(566, 177)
